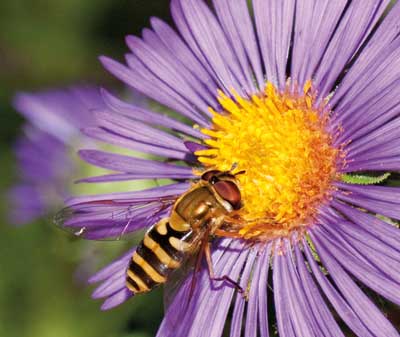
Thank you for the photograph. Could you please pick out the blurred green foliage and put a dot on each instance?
(43, 44)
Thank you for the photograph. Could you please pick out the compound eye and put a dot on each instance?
(209, 174)
(229, 191)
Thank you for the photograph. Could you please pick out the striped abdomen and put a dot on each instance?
(158, 254)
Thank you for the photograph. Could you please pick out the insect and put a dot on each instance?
(196, 215)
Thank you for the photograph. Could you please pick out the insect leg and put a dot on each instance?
(224, 278)
(221, 232)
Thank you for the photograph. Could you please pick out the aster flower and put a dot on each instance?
(45, 150)
(298, 94)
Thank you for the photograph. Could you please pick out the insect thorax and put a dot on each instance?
(197, 208)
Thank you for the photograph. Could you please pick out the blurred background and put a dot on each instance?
(46, 44)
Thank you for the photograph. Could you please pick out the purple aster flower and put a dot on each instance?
(44, 152)
(304, 97)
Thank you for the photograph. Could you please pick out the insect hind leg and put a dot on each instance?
(233, 283)
(224, 278)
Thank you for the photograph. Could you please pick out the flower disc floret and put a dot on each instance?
(281, 141)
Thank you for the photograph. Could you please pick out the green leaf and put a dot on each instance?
(364, 179)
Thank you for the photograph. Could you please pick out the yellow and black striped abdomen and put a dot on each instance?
(158, 254)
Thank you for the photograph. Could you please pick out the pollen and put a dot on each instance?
(280, 140)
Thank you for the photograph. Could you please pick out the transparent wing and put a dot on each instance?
(112, 219)
(186, 275)
(176, 280)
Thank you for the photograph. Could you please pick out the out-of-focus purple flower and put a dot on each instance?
(297, 94)
(45, 151)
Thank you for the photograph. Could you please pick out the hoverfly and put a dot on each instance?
(196, 215)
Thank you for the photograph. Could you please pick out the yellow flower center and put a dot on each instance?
(280, 140)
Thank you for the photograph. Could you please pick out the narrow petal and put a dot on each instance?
(257, 295)
(342, 307)
(379, 42)
(357, 21)
(264, 265)
(299, 313)
(138, 166)
(274, 21)
(321, 311)
(238, 28)
(183, 53)
(117, 265)
(386, 164)
(238, 310)
(166, 71)
(117, 299)
(373, 319)
(286, 327)
(140, 79)
(213, 45)
(113, 278)
(208, 307)
(359, 264)
(375, 204)
(107, 136)
(147, 116)
(386, 233)
(314, 26)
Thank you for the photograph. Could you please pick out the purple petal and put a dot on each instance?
(301, 316)
(257, 314)
(147, 116)
(386, 233)
(117, 265)
(344, 310)
(372, 318)
(197, 86)
(321, 311)
(262, 280)
(109, 137)
(274, 21)
(161, 64)
(383, 193)
(193, 147)
(142, 168)
(212, 44)
(26, 204)
(106, 178)
(376, 143)
(380, 42)
(113, 278)
(238, 311)
(117, 299)
(68, 110)
(183, 53)
(387, 164)
(107, 288)
(357, 262)
(354, 26)
(282, 305)
(141, 79)
(206, 313)
(238, 28)
(367, 201)
(314, 25)
(138, 131)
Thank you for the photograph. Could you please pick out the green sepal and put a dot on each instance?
(363, 179)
